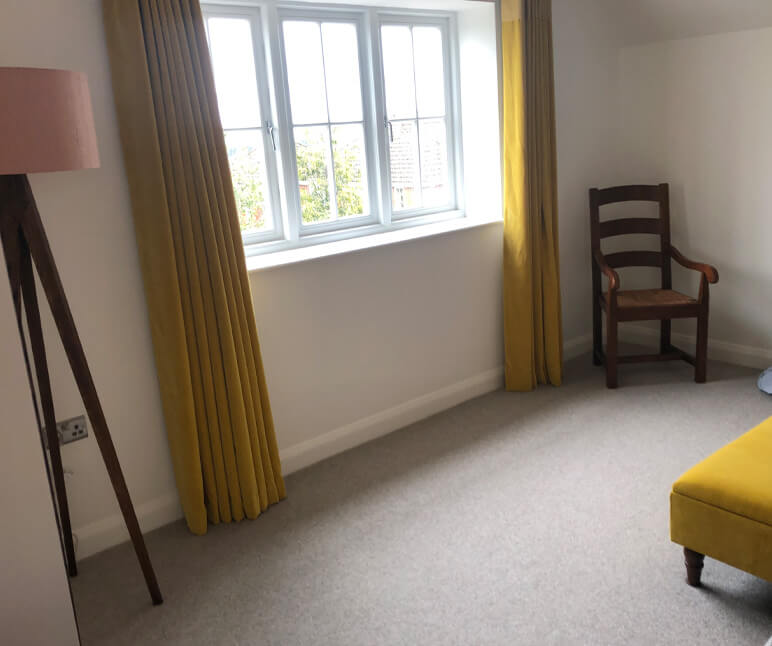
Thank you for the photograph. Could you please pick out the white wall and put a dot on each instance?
(352, 336)
(35, 603)
(354, 345)
(586, 86)
(638, 22)
(696, 113)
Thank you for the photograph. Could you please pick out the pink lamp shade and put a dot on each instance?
(46, 121)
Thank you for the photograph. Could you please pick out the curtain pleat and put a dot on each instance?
(531, 277)
(213, 388)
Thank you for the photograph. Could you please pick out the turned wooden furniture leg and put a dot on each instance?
(701, 355)
(597, 335)
(597, 319)
(611, 350)
(33, 242)
(694, 562)
(665, 342)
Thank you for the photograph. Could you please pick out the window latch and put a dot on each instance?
(269, 127)
(390, 128)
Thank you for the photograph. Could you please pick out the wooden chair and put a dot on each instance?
(642, 304)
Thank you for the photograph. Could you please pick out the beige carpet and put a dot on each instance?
(511, 519)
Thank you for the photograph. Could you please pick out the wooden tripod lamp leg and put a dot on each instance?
(23, 286)
(46, 401)
(40, 251)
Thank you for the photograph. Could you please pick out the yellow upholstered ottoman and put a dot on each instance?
(722, 507)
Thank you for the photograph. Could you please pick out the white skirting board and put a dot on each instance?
(105, 533)
(741, 355)
(718, 350)
(109, 531)
(576, 347)
(301, 455)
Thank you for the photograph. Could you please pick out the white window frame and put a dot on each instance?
(289, 231)
(312, 13)
(267, 126)
(446, 24)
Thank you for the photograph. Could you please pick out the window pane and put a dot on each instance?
(434, 162)
(405, 175)
(348, 147)
(246, 155)
(303, 50)
(341, 66)
(398, 71)
(429, 71)
(233, 64)
(312, 149)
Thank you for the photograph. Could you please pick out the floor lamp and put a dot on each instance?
(46, 125)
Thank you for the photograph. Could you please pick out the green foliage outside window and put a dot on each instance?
(314, 184)
(248, 187)
(348, 179)
(247, 174)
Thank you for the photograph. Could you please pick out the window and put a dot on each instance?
(338, 122)
(414, 74)
(327, 119)
(243, 99)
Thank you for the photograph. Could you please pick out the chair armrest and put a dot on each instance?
(707, 270)
(613, 277)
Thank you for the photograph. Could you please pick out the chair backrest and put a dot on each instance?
(660, 226)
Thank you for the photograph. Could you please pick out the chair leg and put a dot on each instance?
(597, 333)
(611, 352)
(694, 562)
(701, 355)
(665, 341)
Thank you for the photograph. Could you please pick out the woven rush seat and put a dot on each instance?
(650, 297)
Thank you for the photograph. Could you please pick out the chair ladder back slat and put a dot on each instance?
(658, 193)
(634, 259)
(625, 226)
(631, 193)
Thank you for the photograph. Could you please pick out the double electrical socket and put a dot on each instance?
(72, 430)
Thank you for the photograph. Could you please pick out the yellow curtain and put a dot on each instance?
(531, 281)
(210, 372)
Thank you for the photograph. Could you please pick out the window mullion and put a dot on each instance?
(264, 101)
(369, 126)
(286, 140)
(453, 111)
(379, 109)
(333, 189)
(417, 124)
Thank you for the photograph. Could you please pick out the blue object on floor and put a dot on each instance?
(765, 381)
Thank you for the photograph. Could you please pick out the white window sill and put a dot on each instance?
(326, 249)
